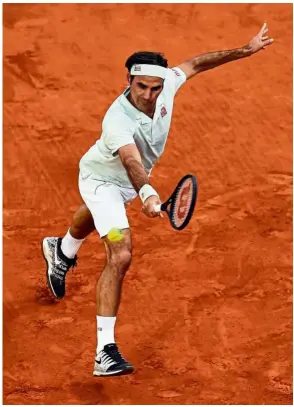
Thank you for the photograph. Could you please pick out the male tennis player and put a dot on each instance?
(115, 170)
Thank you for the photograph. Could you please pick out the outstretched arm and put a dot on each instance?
(131, 160)
(213, 59)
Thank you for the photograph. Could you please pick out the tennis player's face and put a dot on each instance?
(145, 91)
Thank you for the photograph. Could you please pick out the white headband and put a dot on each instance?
(149, 70)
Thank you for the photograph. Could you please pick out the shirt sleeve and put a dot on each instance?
(177, 78)
(118, 131)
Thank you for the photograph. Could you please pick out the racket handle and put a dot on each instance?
(157, 208)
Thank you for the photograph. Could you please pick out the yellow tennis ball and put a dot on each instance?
(115, 235)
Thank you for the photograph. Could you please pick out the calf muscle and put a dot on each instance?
(82, 223)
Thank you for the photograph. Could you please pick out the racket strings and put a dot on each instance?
(183, 203)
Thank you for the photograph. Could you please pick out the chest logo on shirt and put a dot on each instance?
(163, 111)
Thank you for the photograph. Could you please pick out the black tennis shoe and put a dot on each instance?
(57, 265)
(109, 362)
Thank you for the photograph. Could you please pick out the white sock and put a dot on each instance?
(70, 245)
(105, 331)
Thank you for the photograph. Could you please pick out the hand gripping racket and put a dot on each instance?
(180, 206)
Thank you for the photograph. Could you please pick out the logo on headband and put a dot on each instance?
(137, 68)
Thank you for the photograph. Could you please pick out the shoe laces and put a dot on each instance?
(74, 262)
(59, 273)
(113, 353)
(62, 268)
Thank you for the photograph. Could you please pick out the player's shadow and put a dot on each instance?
(91, 392)
(43, 295)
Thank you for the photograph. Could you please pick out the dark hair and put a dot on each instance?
(146, 57)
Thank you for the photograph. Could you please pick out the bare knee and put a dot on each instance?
(121, 261)
(119, 253)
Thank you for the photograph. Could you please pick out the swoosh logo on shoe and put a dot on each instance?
(55, 257)
(99, 361)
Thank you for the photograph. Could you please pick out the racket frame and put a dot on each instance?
(172, 202)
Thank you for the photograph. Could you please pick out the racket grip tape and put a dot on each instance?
(157, 208)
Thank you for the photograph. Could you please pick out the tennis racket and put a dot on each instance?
(180, 206)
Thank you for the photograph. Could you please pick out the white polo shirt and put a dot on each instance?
(123, 124)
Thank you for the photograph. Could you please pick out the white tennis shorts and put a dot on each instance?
(106, 202)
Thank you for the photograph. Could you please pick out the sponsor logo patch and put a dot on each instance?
(137, 68)
(176, 72)
(163, 111)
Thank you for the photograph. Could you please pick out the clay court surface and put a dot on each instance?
(206, 315)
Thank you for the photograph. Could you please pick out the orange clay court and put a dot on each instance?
(206, 313)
